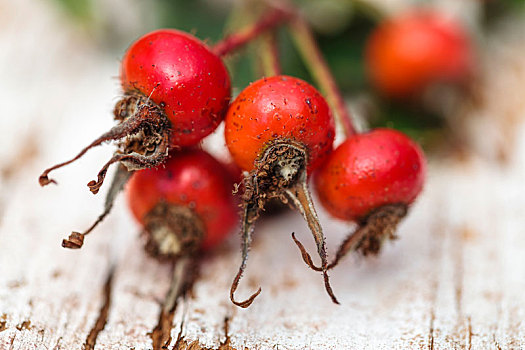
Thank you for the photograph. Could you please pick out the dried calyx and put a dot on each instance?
(142, 135)
(172, 231)
(379, 226)
(121, 177)
(373, 231)
(143, 139)
(280, 173)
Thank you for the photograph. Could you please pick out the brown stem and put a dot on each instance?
(178, 282)
(161, 334)
(122, 175)
(237, 40)
(300, 197)
(250, 215)
(313, 57)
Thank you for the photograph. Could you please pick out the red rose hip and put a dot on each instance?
(182, 76)
(185, 206)
(368, 171)
(407, 53)
(371, 178)
(278, 129)
(279, 107)
(176, 93)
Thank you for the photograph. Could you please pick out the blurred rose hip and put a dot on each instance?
(407, 53)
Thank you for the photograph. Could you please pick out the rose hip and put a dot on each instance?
(407, 53)
(371, 178)
(185, 206)
(176, 93)
(370, 170)
(278, 129)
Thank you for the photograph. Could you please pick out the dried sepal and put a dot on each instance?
(368, 238)
(74, 241)
(121, 177)
(279, 173)
(250, 215)
(301, 198)
(144, 134)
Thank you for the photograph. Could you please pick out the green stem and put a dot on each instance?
(313, 58)
(370, 10)
(269, 54)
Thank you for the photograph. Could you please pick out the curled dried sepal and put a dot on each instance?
(76, 239)
(300, 197)
(380, 225)
(307, 258)
(144, 131)
(350, 244)
(132, 161)
(279, 173)
(250, 215)
(44, 180)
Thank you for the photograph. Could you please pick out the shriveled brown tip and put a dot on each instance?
(43, 180)
(244, 304)
(328, 288)
(307, 258)
(94, 186)
(74, 241)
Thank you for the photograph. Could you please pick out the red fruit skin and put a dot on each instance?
(191, 178)
(182, 76)
(279, 107)
(368, 171)
(407, 53)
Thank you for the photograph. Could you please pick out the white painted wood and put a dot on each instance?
(454, 279)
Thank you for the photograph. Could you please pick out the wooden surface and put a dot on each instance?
(454, 280)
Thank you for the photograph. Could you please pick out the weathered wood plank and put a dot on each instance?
(454, 279)
(49, 297)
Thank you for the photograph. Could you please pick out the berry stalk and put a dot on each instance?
(314, 60)
(179, 279)
(269, 51)
(372, 11)
(237, 40)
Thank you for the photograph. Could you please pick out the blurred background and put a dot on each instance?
(441, 109)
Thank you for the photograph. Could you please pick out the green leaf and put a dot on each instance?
(80, 9)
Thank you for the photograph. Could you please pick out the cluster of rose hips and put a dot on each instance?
(279, 131)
